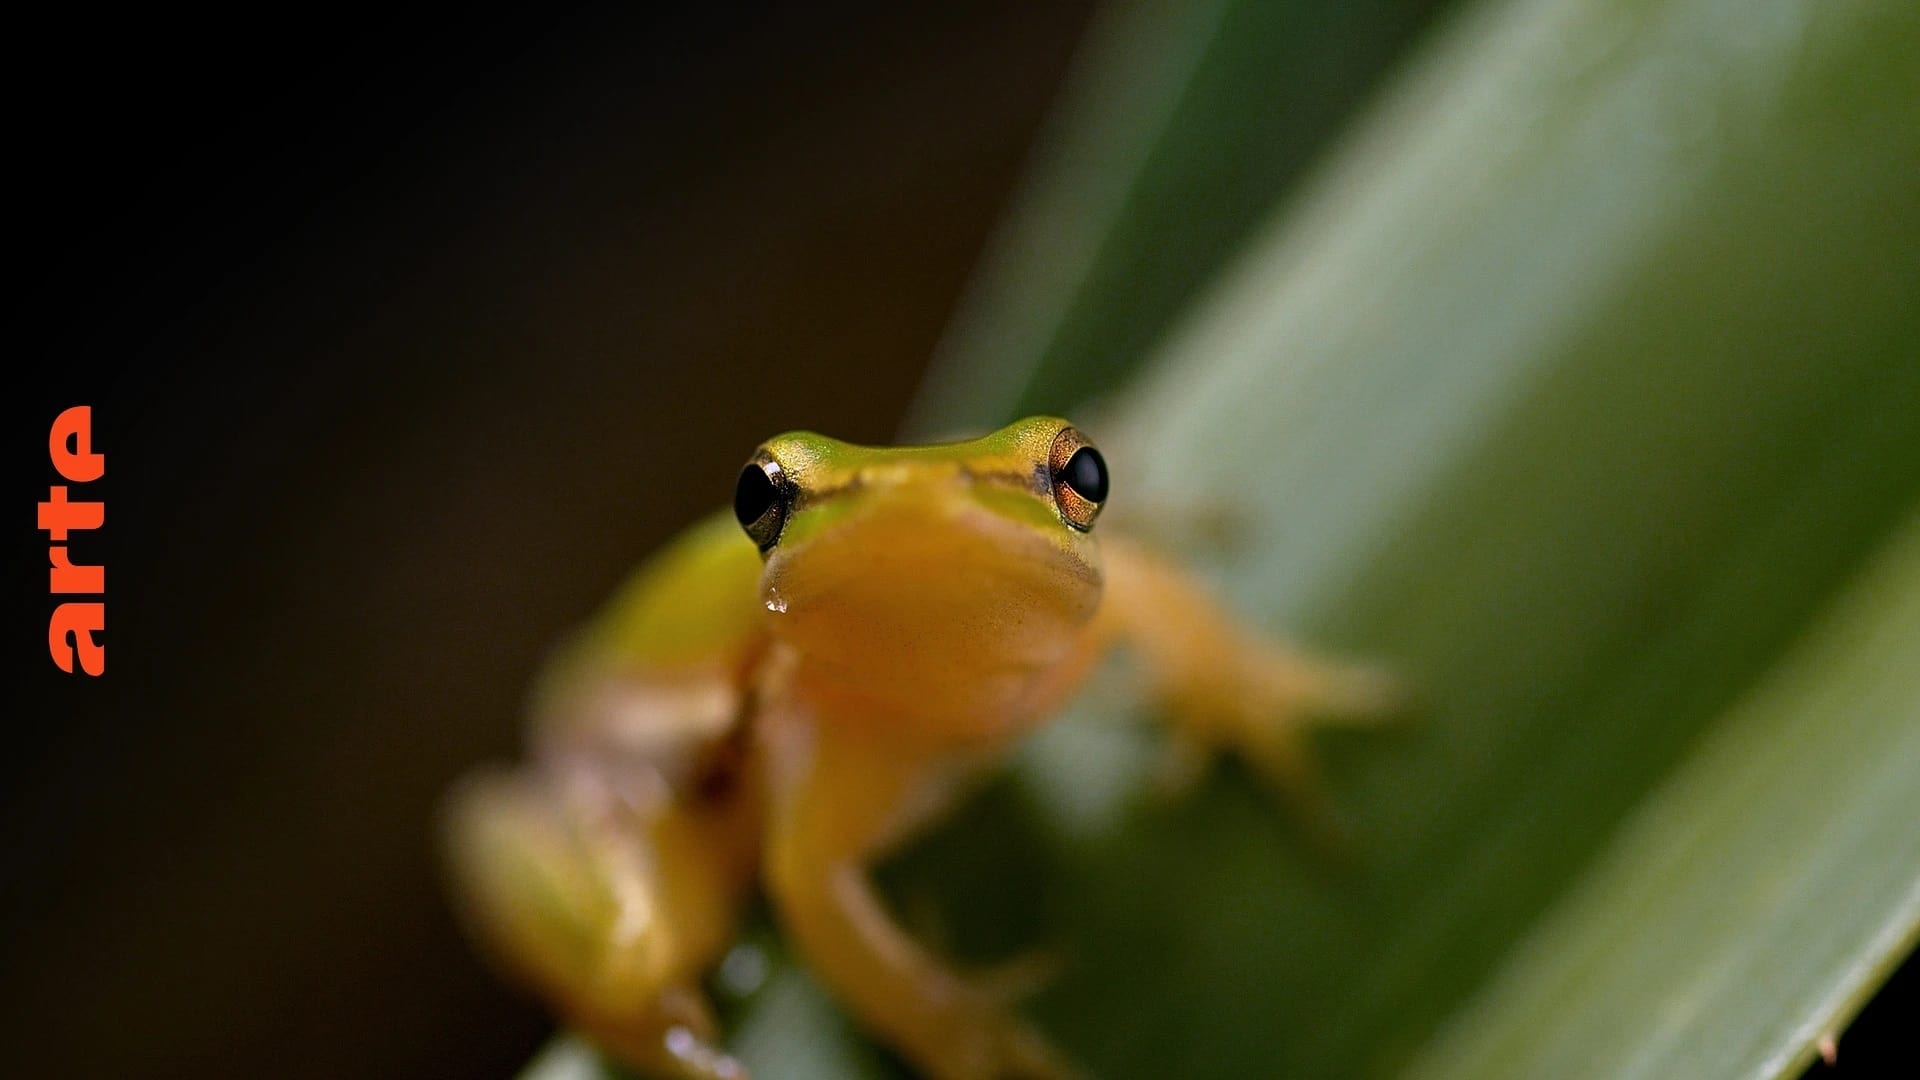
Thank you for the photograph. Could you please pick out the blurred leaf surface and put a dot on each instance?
(1574, 387)
(1578, 386)
(1181, 124)
(1761, 892)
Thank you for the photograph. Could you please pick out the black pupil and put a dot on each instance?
(1086, 473)
(753, 494)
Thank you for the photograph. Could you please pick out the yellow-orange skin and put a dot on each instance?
(789, 716)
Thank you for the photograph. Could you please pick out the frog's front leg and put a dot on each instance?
(841, 800)
(1225, 685)
(610, 895)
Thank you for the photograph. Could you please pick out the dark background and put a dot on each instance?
(405, 341)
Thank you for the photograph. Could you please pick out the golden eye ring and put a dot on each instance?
(1079, 477)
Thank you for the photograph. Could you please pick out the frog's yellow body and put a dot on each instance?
(785, 699)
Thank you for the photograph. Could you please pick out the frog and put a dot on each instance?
(790, 692)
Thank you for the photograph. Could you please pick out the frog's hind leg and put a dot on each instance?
(840, 801)
(610, 898)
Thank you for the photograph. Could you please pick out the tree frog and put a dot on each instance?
(788, 692)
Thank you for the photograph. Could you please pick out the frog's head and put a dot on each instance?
(904, 568)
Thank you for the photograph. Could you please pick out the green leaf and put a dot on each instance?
(1579, 386)
(1757, 896)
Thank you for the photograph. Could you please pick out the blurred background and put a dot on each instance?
(406, 340)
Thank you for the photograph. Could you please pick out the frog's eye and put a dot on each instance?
(761, 499)
(1079, 478)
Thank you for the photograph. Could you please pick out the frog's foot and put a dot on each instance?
(556, 871)
(674, 1039)
(982, 1040)
(1257, 700)
(833, 817)
(950, 1026)
(1014, 1052)
(1326, 693)
(1256, 697)
(1225, 686)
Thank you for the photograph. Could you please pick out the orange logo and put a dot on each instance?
(70, 633)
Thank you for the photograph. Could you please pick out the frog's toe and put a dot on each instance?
(1001, 1047)
(674, 1052)
(1182, 763)
(692, 1057)
(1352, 695)
(1286, 688)
(1018, 977)
(1280, 758)
(1032, 1057)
